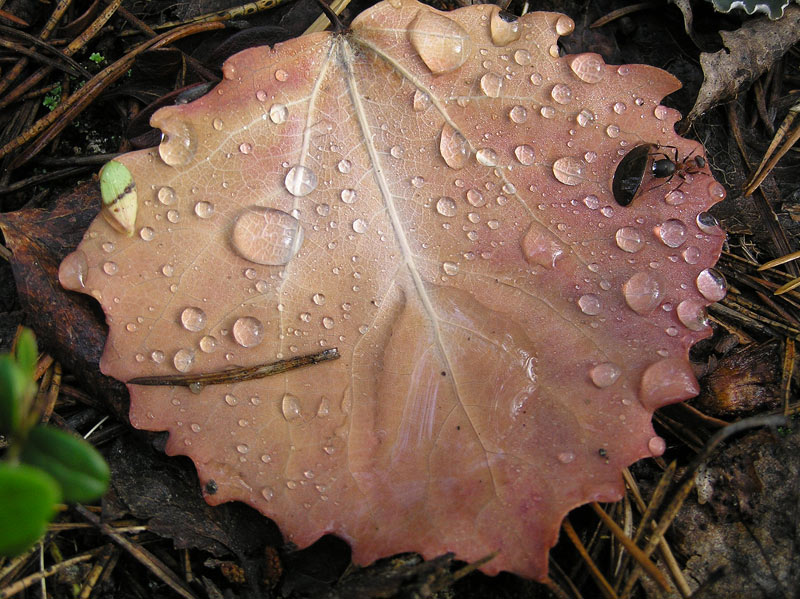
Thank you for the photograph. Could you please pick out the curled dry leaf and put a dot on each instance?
(431, 194)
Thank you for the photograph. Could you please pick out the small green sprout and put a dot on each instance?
(96, 57)
(52, 98)
(42, 465)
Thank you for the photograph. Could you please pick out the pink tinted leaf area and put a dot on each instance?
(429, 193)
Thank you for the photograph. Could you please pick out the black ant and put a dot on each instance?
(629, 174)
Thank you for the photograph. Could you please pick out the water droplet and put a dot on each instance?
(564, 25)
(250, 273)
(540, 247)
(204, 209)
(566, 457)
(421, 101)
(661, 112)
(547, 112)
(605, 374)
(518, 114)
(522, 58)
(612, 131)
(281, 75)
(242, 448)
(672, 233)
(157, 356)
(446, 206)
(657, 446)
(491, 85)
(110, 268)
(712, 285)
(475, 198)
(442, 44)
(675, 197)
(323, 209)
(107, 247)
(619, 107)
(453, 147)
(643, 292)
(183, 359)
(588, 67)
(173, 216)
(178, 143)
(692, 314)
(146, 233)
(716, 191)
(667, 381)
(327, 322)
(450, 268)
(525, 154)
(708, 223)
(278, 113)
(360, 225)
(318, 299)
(504, 28)
(300, 180)
(266, 236)
(417, 181)
(589, 304)
(193, 319)
(217, 124)
(166, 195)
(267, 493)
(629, 239)
(691, 255)
(167, 270)
(486, 157)
(585, 118)
(569, 170)
(208, 344)
(396, 152)
(592, 202)
(344, 166)
(245, 148)
(248, 331)
(72, 271)
(290, 406)
(561, 93)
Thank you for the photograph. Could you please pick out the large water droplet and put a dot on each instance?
(589, 304)
(193, 319)
(300, 180)
(588, 67)
(450, 268)
(360, 225)
(183, 359)
(248, 331)
(540, 247)
(446, 206)
(672, 232)
(178, 141)
(525, 154)
(629, 239)
(266, 236)
(454, 147)
(491, 85)
(708, 223)
(278, 113)
(692, 314)
(561, 93)
(486, 157)
(667, 381)
(442, 44)
(204, 209)
(643, 292)
(72, 271)
(504, 28)
(564, 25)
(349, 196)
(518, 114)
(605, 374)
(712, 285)
(475, 198)
(657, 446)
(569, 170)
(290, 406)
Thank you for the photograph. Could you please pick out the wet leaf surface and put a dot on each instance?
(431, 194)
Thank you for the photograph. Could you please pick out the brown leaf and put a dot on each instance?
(431, 194)
(749, 51)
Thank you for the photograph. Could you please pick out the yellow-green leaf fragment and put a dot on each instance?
(120, 201)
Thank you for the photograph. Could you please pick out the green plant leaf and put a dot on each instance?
(76, 465)
(13, 384)
(27, 503)
(26, 352)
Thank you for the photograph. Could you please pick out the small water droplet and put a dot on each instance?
(300, 180)
(691, 255)
(518, 114)
(629, 239)
(344, 166)
(146, 233)
(323, 209)
(566, 457)
(397, 152)
(245, 148)
(217, 124)
(318, 299)
(491, 84)
(266, 236)
(281, 75)
(588, 67)
(564, 25)
(278, 113)
(672, 233)
(675, 197)
(453, 147)
(442, 44)
(290, 406)
(585, 118)
(620, 107)
(178, 143)
(569, 170)
(248, 331)
(589, 304)
(712, 285)
(450, 268)
(605, 374)
(612, 131)
(525, 154)
(547, 112)
(110, 268)
(661, 112)
(166, 195)
(360, 225)
(421, 101)
(327, 322)
(716, 191)
(204, 209)
(708, 223)
(522, 57)
(486, 157)
(692, 314)
(475, 198)
(643, 292)
(72, 271)
(561, 93)
(208, 344)
(417, 181)
(540, 247)
(446, 206)
(173, 216)
(183, 359)
(657, 446)
(193, 319)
